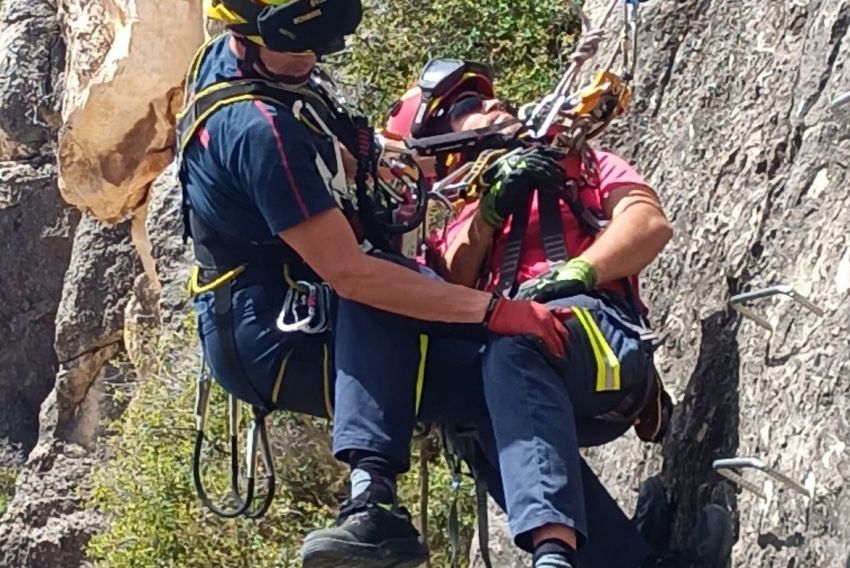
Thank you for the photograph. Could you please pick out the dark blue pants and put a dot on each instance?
(380, 393)
(291, 371)
(529, 425)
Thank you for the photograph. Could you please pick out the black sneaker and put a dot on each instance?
(711, 541)
(653, 515)
(367, 535)
(709, 545)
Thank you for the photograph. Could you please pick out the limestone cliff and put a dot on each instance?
(92, 75)
(732, 125)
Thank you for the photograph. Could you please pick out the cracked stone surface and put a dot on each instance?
(47, 523)
(36, 234)
(732, 125)
(29, 94)
(36, 226)
(90, 320)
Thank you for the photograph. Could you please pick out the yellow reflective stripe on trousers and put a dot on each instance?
(607, 364)
(279, 380)
(420, 377)
(329, 407)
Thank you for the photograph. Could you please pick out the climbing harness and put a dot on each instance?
(373, 206)
(566, 120)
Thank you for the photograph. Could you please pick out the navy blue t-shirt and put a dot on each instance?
(250, 171)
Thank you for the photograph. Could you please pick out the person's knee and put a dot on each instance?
(509, 347)
(510, 352)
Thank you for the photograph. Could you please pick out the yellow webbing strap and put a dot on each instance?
(607, 364)
(482, 163)
(195, 67)
(187, 134)
(280, 374)
(195, 287)
(420, 376)
(329, 407)
(291, 282)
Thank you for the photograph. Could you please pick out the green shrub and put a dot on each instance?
(8, 474)
(522, 39)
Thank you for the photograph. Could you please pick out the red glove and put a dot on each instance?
(524, 317)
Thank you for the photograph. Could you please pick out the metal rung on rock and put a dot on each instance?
(789, 291)
(840, 101)
(727, 467)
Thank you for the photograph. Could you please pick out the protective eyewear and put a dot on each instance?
(465, 105)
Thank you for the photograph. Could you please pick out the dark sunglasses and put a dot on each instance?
(465, 105)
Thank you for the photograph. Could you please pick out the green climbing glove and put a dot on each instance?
(575, 277)
(510, 181)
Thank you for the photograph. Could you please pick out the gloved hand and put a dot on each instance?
(575, 277)
(509, 184)
(519, 317)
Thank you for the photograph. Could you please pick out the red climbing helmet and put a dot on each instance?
(402, 113)
(445, 87)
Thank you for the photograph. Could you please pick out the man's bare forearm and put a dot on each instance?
(631, 242)
(327, 244)
(468, 251)
(393, 288)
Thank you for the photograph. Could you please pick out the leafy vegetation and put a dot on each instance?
(7, 486)
(10, 465)
(522, 39)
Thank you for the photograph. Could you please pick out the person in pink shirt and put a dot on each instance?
(569, 233)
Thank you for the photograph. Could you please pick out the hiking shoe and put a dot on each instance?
(653, 515)
(709, 544)
(367, 535)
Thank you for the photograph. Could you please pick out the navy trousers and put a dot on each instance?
(531, 413)
(531, 417)
(287, 371)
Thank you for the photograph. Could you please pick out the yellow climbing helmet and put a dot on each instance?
(290, 25)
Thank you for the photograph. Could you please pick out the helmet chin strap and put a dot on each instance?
(252, 62)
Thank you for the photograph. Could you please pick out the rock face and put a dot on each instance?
(31, 61)
(47, 523)
(36, 227)
(172, 257)
(90, 320)
(36, 232)
(126, 63)
(732, 125)
(118, 104)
